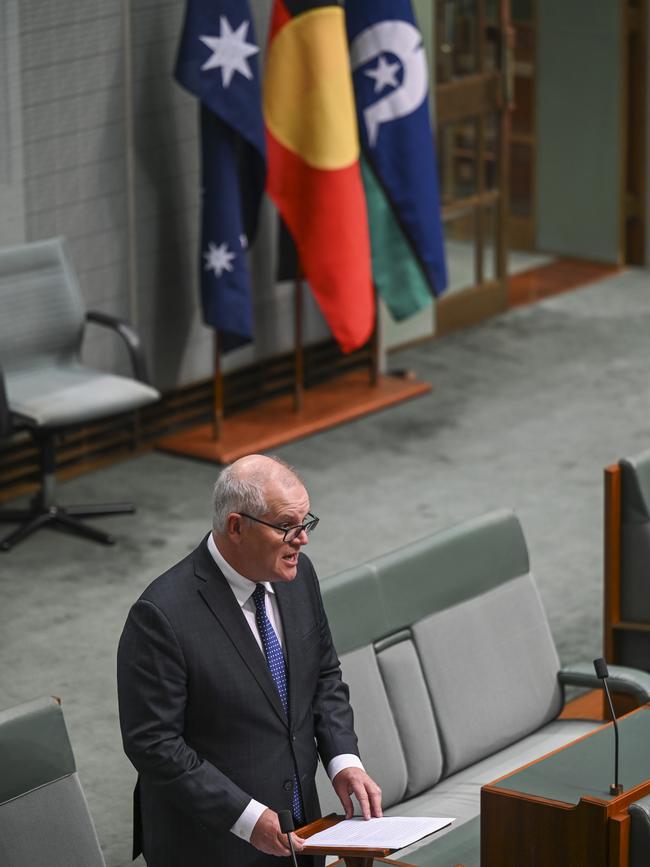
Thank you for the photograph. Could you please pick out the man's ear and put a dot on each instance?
(234, 527)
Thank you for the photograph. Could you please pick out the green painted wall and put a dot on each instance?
(579, 139)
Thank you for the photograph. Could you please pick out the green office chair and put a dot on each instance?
(44, 817)
(44, 387)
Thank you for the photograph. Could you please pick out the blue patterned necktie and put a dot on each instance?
(277, 667)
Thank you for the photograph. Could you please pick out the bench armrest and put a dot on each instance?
(632, 681)
(130, 337)
(639, 832)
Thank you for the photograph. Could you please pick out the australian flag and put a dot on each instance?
(217, 62)
(390, 75)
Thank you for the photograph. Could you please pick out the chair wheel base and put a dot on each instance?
(67, 518)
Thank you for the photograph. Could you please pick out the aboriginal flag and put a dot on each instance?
(314, 176)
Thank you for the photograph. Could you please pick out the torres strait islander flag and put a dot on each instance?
(314, 176)
(398, 159)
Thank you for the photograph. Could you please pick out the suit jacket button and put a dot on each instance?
(288, 785)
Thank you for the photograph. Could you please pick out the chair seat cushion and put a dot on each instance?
(52, 397)
(459, 795)
(460, 844)
(49, 827)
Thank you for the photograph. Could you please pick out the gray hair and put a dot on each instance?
(235, 491)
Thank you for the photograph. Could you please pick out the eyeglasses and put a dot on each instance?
(290, 533)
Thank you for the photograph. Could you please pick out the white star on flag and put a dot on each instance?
(385, 74)
(229, 51)
(218, 259)
(243, 240)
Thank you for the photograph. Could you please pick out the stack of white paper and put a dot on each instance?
(389, 832)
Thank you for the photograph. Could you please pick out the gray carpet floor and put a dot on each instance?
(527, 410)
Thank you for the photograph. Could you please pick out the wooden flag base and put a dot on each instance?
(276, 422)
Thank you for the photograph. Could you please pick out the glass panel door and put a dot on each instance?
(473, 41)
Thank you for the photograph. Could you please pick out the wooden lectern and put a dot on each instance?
(558, 812)
(351, 857)
(356, 857)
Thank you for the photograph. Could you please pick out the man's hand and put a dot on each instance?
(354, 781)
(268, 838)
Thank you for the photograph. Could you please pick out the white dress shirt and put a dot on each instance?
(243, 590)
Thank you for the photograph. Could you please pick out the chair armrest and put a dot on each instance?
(5, 415)
(130, 337)
(632, 681)
(639, 832)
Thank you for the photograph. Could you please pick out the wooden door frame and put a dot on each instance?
(476, 96)
(633, 118)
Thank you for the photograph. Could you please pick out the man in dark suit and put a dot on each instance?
(229, 686)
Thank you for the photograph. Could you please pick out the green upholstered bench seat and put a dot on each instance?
(44, 817)
(452, 669)
(460, 844)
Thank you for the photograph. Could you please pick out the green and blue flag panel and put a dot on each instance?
(217, 62)
(391, 86)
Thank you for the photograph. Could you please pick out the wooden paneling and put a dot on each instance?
(469, 96)
(634, 122)
(470, 306)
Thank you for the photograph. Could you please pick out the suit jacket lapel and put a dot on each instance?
(221, 601)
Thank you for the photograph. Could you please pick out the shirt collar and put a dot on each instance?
(243, 588)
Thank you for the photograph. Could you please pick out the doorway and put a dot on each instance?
(473, 44)
(516, 193)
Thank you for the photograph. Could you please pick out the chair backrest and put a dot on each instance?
(41, 309)
(627, 561)
(635, 538)
(44, 817)
(429, 634)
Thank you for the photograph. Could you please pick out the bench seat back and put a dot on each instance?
(447, 651)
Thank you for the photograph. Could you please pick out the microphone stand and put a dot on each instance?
(602, 673)
(286, 826)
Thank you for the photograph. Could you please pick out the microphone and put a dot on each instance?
(600, 667)
(286, 826)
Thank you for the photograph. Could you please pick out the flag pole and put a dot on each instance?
(217, 414)
(375, 361)
(298, 355)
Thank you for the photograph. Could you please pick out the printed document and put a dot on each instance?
(389, 832)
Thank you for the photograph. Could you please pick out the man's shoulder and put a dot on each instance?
(306, 583)
(304, 563)
(306, 571)
(179, 580)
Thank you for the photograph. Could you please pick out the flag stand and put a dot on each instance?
(375, 350)
(298, 355)
(217, 408)
(291, 416)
